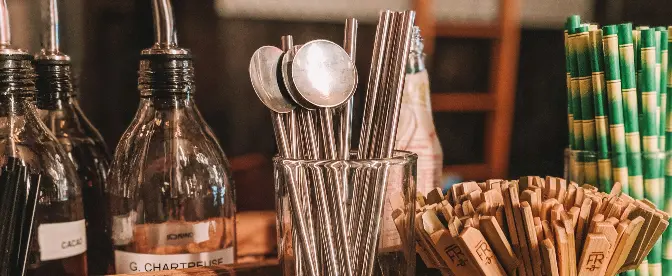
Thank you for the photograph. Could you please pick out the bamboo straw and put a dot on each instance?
(572, 22)
(615, 100)
(577, 165)
(601, 110)
(659, 87)
(667, 237)
(581, 44)
(649, 111)
(663, 95)
(630, 112)
(661, 130)
(636, 42)
(650, 130)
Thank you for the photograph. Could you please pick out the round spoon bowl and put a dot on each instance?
(263, 73)
(323, 74)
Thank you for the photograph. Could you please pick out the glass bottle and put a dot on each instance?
(58, 239)
(59, 109)
(416, 131)
(170, 189)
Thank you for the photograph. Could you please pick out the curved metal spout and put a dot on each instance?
(5, 34)
(164, 24)
(50, 31)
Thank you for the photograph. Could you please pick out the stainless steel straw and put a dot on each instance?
(345, 131)
(389, 134)
(367, 121)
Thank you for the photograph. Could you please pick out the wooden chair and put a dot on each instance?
(498, 103)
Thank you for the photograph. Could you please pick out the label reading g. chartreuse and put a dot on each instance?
(128, 262)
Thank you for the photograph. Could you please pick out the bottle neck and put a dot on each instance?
(17, 76)
(17, 84)
(54, 84)
(166, 76)
(168, 102)
(14, 105)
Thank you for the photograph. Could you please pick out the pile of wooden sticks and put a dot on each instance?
(533, 226)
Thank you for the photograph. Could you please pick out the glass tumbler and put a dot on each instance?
(346, 217)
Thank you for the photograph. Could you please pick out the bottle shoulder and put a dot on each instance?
(155, 152)
(46, 159)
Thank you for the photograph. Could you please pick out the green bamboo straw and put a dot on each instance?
(665, 261)
(572, 22)
(638, 68)
(615, 100)
(581, 43)
(601, 110)
(662, 107)
(630, 111)
(577, 165)
(650, 131)
(667, 237)
(650, 125)
(663, 86)
(659, 70)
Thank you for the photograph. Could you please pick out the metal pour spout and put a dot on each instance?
(165, 36)
(5, 34)
(50, 31)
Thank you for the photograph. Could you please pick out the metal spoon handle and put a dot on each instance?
(308, 125)
(294, 195)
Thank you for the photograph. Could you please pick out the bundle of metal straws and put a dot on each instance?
(336, 218)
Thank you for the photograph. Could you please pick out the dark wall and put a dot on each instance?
(116, 32)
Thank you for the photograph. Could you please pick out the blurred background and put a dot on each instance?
(496, 68)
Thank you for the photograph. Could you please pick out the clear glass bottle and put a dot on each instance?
(170, 189)
(416, 131)
(59, 110)
(58, 242)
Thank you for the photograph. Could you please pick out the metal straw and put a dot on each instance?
(390, 132)
(345, 131)
(377, 111)
(367, 121)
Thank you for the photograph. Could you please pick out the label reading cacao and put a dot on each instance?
(61, 240)
(128, 262)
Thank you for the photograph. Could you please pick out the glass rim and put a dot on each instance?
(399, 157)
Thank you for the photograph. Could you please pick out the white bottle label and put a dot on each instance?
(415, 133)
(61, 240)
(175, 233)
(128, 262)
(122, 228)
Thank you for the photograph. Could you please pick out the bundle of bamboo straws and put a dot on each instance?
(617, 84)
(533, 226)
